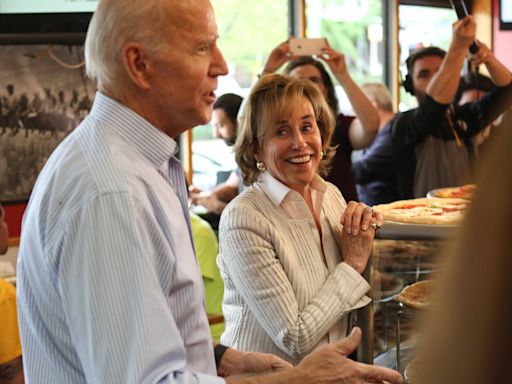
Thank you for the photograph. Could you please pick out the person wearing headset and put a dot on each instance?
(431, 145)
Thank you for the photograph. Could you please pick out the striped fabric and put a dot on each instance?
(285, 291)
(109, 290)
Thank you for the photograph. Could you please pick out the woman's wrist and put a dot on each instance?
(265, 72)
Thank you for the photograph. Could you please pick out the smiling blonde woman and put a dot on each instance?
(291, 249)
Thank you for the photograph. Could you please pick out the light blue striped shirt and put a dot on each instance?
(109, 290)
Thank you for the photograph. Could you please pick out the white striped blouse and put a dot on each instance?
(109, 290)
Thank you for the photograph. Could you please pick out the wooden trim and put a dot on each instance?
(215, 319)
(186, 148)
(302, 18)
(13, 242)
(395, 63)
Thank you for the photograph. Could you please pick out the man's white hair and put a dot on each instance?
(380, 94)
(113, 25)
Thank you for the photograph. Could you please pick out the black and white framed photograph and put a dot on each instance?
(44, 94)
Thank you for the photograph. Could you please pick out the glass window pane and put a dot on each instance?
(355, 28)
(248, 31)
(421, 27)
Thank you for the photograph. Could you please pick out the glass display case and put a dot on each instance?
(402, 256)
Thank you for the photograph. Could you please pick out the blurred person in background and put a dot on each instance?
(207, 248)
(376, 179)
(224, 123)
(432, 144)
(351, 132)
(11, 365)
(224, 117)
(473, 86)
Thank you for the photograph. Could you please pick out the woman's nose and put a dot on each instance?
(298, 141)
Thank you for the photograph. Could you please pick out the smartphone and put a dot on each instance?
(307, 47)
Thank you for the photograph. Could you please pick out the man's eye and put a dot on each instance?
(205, 48)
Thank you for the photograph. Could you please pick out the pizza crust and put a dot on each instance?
(416, 295)
(435, 211)
(463, 192)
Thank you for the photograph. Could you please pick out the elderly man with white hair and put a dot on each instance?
(109, 287)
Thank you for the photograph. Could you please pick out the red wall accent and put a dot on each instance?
(13, 216)
(501, 40)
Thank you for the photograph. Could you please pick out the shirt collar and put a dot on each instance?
(138, 133)
(277, 191)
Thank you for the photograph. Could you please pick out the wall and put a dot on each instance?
(13, 216)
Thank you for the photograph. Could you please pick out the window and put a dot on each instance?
(421, 26)
(355, 28)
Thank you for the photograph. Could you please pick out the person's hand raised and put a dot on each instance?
(336, 62)
(464, 32)
(483, 56)
(279, 55)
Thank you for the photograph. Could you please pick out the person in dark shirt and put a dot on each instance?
(431, 145)
(371, 170)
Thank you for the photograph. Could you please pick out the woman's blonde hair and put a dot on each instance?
(272, 97)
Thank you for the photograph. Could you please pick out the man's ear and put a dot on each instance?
(137, 65)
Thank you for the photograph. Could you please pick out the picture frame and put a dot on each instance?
(44, 94)
(505, 14)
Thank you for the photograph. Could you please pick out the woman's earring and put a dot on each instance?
(261, 166)
(324, 154)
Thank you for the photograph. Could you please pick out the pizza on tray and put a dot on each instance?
(416, 295)
(435, 211)
(462, 192)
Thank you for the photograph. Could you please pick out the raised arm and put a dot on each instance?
(500, 75)
(278, 56)
(364, 128)
(445, 82)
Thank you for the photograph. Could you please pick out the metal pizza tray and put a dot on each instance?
(401, 231)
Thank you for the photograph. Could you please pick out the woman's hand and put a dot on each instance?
(336, 62)
(359, 226)
(279, 55)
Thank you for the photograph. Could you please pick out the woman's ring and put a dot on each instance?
(374, 225)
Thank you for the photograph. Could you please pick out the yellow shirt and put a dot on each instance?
(10, 345)
(207, 247)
